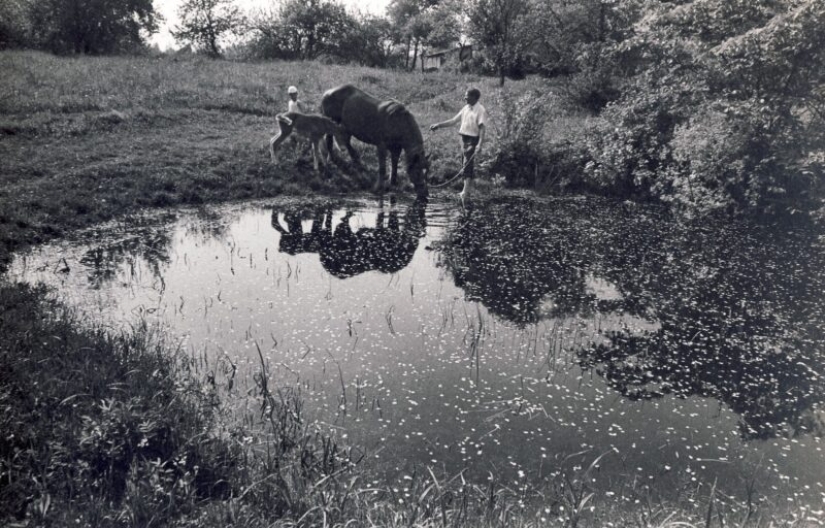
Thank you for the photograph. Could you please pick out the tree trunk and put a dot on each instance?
(213, 46)
(461, 47)
(415, 55)
(500, 65)
(311, 45)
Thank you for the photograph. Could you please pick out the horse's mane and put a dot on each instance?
(396, 108)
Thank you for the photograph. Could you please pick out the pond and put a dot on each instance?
(524, 338)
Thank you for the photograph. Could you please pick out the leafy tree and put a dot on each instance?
(306, 30)
(444, 27)
(574, 35)
(14, 23)
(78, 26)
(369, 43)
(580, 38)
(205, 22)
(268, 39)
(315, 27)
(412, 24)
(501, 27)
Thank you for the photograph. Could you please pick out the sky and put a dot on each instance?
(169, 10)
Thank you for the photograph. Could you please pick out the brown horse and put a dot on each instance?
(386, 124)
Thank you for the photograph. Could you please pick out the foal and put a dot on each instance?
(311, 126)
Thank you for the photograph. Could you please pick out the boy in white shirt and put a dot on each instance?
(295, 105)
(299, 146)
(472, 118)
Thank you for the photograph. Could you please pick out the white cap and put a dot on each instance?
(292, 90)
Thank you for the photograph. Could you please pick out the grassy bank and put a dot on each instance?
(99, 428)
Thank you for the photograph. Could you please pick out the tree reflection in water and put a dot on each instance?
(145, 243)
(104, 262)
(739, 309)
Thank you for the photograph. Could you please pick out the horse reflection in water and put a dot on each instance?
(294, 240)
(388, 247)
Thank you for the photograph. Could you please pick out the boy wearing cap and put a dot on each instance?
(295, 104)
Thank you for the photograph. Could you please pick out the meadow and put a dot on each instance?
(88, 138)
(108, 427)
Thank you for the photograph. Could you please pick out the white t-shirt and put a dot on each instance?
(472, 117)
(295, 106)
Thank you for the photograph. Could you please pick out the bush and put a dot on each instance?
(629, 145)
(539, 140)
(591, 90)
(521, 134)
(705, 155)
(743, 155)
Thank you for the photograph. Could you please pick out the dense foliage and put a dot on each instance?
(312, 29)
(706, 104)
(77, 26)
(720, 106)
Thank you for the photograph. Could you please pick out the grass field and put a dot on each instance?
(118, 430)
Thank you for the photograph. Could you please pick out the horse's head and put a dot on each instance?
(418, 168)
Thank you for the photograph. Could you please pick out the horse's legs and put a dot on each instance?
(352, 152)
(392, 223)
(395, 154)
(382, 168)
(277, 139)
(328, 140)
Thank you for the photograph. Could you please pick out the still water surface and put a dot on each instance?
(524, 338)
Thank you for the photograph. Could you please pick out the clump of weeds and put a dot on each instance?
(99, 429)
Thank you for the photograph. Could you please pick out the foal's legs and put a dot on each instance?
(315, 153)
(395, 154)
(283, 132)
(319, 152)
